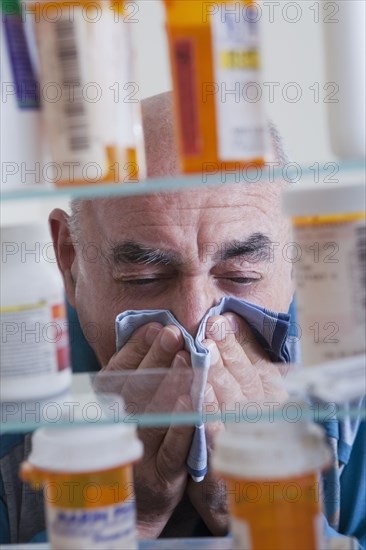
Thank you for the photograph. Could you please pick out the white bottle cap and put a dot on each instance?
(313, 199)
(270, 450)
(85, 449)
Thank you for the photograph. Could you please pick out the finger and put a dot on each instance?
(112, 377)
(272, 382)
(211, 409)
(226, 387)
(176, 382)
(270, 373)
(143, 384)
(245, 337)
(163, 349)
(173, 451)
(132, 353)
(235, 359)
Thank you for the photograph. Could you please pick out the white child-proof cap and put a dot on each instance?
(85, 449)
(311, 199)
(270, 450)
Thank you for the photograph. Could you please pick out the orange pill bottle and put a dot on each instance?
(215, 59)
(87, 481)
(90, 109)
(271, 472)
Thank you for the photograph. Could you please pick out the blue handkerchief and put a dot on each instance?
(269, 328)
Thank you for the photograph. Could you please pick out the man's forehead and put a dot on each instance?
(220, 203)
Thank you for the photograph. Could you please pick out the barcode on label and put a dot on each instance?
(76, 116)
(361, 257)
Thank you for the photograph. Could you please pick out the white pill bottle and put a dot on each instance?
(345, 64)
(35, 359)
(329, 244)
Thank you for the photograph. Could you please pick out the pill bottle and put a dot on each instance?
(88, 93)
(345, 68)
(87, 480)
(35, 359)
(215, 60)
(20, 144)
(328, 254)
(271, 473)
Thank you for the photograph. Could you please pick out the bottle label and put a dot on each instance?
(111, 527)
(88, 96)
(111, 61)
(20, 58)
(238, 97)
(331, 290)
(34, 340)
(64, 49)
(184, 51)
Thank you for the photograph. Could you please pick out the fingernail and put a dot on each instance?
(151, 334)
(217, 330)
(214, 352)
(180, 361)
(169, 340)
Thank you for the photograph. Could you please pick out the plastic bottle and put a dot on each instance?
(35, 360)
(87, 480)
(345, 64)
(215, 60)
(329, 234)
(21, 151)
(271, 473)
(88, 94)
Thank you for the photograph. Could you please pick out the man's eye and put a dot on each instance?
(137, 282)
(243, 280)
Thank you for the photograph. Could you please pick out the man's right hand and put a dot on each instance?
(160, 477)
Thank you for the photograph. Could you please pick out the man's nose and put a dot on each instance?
(194, 297)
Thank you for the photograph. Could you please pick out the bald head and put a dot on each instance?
(161, 148)
(160, 142)
(160, 145)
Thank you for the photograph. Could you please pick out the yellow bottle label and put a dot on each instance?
(328, 219)
(238, 92)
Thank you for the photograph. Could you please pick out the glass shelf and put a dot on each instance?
(148, 398)
(198, 543)
(329, 172)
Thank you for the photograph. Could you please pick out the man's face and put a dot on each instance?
(180, 251)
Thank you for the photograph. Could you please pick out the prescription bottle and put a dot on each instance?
(35, 359)
(328, 253)
(215, 59)
(345, 69)
(20, 144)
(87, 479)
(88, 94)
(271, 473)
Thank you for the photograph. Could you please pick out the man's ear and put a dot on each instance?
(64, 250)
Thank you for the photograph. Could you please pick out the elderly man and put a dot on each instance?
(154, 253)
(180, 251)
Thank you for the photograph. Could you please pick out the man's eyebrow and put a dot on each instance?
(131, 252)
(257, 247)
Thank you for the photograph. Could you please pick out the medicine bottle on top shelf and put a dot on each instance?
(215, 59)
(91, 113)
(20, 143)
